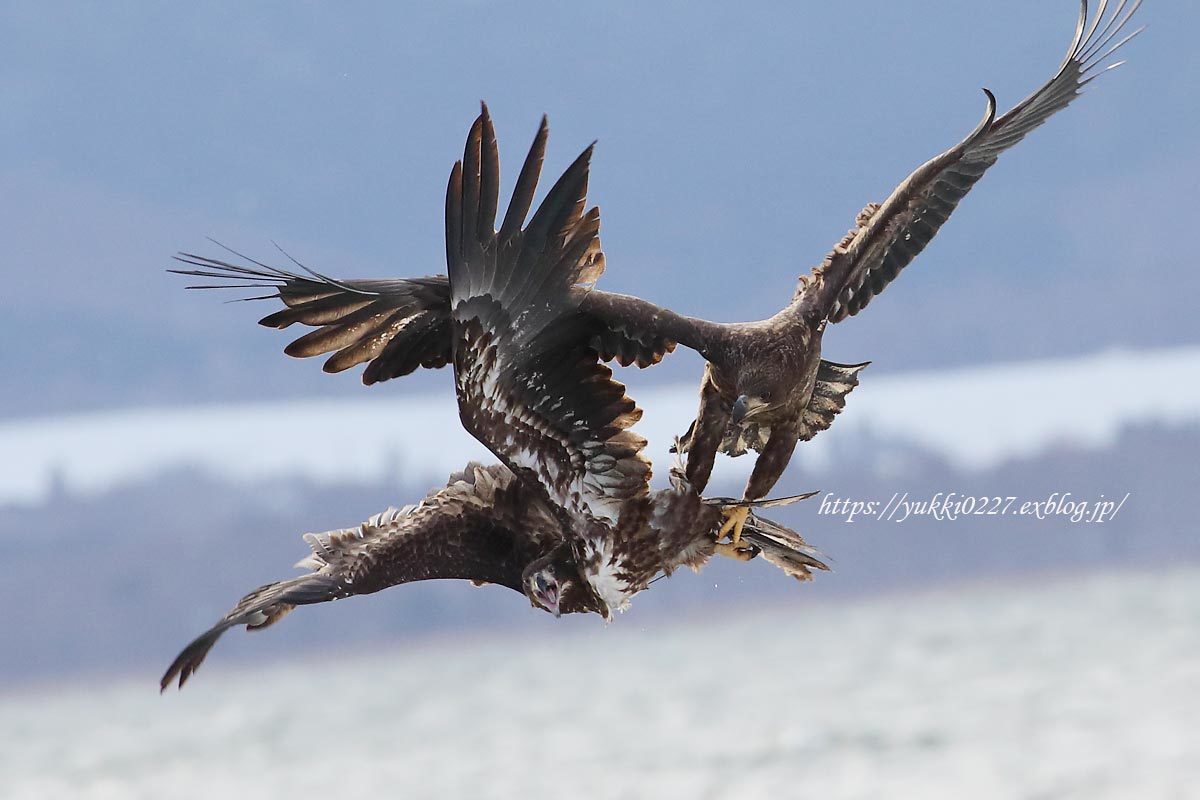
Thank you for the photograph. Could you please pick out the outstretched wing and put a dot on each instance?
(484, 526)
(530, 385)
(397, 325)
(393, 325)
(888, 236)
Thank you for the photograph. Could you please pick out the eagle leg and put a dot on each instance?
(735, 518)
(736, 552)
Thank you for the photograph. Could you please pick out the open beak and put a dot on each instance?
(740, 407)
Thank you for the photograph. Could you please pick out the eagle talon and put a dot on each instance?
(735, 552)
(735, 518)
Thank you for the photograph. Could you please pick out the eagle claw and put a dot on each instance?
(735, 552)
(735, 518)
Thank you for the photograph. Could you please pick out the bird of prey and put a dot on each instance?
(758, 394)
(484, 526)
(532, 388)
(765, 387)
(568, 518)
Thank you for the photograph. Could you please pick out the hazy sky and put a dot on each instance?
(736, 145)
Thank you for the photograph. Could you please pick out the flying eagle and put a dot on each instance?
(484, 526)
(532, 388)
(759, 394)
(568, 519)
(765, 387)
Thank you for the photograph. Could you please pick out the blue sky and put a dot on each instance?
(735, 146)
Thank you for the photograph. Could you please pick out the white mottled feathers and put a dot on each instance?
(529, 382)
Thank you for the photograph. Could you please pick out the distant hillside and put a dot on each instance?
(974, 418)
(120, 580)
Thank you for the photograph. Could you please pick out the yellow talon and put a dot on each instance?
(735, 518)
(733, 551)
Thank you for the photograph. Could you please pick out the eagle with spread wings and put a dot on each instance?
(568, 518)
(765, 386)
(485, 526)
(532, 388)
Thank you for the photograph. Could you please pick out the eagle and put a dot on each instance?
(759, 394)
(568, 517)
(765, 386)
(485, 526)
(533, 389)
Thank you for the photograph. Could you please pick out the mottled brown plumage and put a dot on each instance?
(765, 387)
(484, 526)
(763, 375)
(531, 387)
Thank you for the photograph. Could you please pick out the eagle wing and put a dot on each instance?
(888, 236)
(483, 526)
(530, 384)
(392, 325)
(396, 325)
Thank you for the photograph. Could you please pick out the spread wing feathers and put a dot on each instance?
(395, 326)
(483, 527)
(834, 382)
(529, 382)
(783, 547)
(625, 342)
(888, 236)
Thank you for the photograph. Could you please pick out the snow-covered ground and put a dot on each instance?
(975, 417)
(1081, 687)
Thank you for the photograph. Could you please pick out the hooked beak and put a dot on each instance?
(740, 407)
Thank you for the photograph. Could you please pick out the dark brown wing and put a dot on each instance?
(397, 325)
(889, 236)
(530, 385)
(394, 325)
(484, 526)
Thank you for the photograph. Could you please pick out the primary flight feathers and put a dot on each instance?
(569, 518)
(484, 526)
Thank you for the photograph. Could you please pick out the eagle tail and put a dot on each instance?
(783, 547)
(261, 608)
(834, 382)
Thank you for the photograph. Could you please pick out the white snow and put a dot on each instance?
(1068, 688)
(974, 417)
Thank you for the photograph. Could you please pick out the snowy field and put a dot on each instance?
(1075, 687)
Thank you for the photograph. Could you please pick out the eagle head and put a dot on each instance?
(547, 580)
(554, 583)
(756, 394)
(544, 589)
(766, 384)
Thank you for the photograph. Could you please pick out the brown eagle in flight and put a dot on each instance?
(484, 526)
(532, 388)
(765, 386)
(569, 518)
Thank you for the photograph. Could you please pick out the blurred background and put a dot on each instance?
(151, 471)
